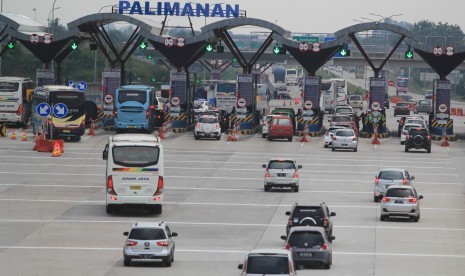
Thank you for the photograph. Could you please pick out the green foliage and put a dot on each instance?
(441, 34)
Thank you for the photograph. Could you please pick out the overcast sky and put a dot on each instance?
(325, 16)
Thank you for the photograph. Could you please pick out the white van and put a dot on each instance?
(135, 170)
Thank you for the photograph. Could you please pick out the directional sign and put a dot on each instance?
(181, 42)
(43, 109)
(276, 50)
(391, 83)
(316, 47)
(310, 39)
(175, 101)
(241, 102)
(34, 38)
(74, 46)
(82, 86)
(303, 47)
(143, 45)
(442, 108)
(72, 84)
(209, 48)
(437, 51)
(308, 104)
(169, 42)
(60, 110)
(11, 45)
(108, 98)
(47, 38)
(375, 106)
(450, 51)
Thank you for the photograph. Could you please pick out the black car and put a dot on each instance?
(418, 138)
(310, 215)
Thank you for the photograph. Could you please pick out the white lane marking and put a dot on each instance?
(199, 189)
(215, 251)
(101, 202)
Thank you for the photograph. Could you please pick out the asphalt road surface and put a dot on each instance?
(53, 220)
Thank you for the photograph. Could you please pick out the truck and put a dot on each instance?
(360, 72)
(225, 95)
(279, 74)
(328, 94)
(291, 77)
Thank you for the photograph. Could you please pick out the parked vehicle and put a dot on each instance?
(15, 100)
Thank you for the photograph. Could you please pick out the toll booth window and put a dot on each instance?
(9, 86)
(135, 156)
(268, 265)
(132, 96)
(281, 165)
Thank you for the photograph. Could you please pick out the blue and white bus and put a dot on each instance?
(15, 105)
(136, 109)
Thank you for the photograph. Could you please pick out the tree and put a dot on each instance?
(442, 34)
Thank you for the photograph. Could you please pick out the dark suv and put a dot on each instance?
(418, 138)
(310, 215)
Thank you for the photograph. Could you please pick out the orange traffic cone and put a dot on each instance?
(444, 143)
(13, 135)
(304, 138)
(91, 129)
(36, 140)
(24, 138)
(56, 149)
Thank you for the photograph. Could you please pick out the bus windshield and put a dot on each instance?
(70, 99)
(9, 86)
(402, 82)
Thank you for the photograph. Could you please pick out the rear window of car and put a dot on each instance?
(402, 104)
(343, 110)
(344, 133)
(355, 98)
(147, 234)
(420, 122)
(302, 239)
(390, 175)
(208, 120)
(414, 132)
(341, 119)
(282, 122)
(399, 192)
(135, 156)
(307, 211)
(283, 165)
(263, 265)
(427, 103)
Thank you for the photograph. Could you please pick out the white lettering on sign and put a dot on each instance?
(444, 86)
(178, 77)
(312, 81)
(377, 83)
(244, 79)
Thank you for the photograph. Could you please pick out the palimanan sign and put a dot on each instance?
(178, 9)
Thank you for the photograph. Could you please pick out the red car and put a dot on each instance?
(281, 128)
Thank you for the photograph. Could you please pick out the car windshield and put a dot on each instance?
(263, 265)
(391, 175)
(281, 165)
(414, 121)
(344, 133)
(135, 156)
(147, 234)
(208, 120)
(343, 110)
(302, 239)
(197, 104)
(399, 192)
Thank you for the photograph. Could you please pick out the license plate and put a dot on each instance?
(135, 187)
(131, 126)
(281, 174)
(306, 255)
(146, 256)
(399, 201)
(66, 131)
(344, 145)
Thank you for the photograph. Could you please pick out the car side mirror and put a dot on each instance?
(174, 234)
(332, 214)
(283, 238)
(241, 266)
(288, 213)
(412, 177)
(125, 233)
(264, 166)
(332, 238)
(420, 197)
(299, 167)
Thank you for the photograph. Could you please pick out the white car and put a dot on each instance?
(344, 109)
(344, 139)
(405, 129)
(266, 125)
(356, 101)
(387, 177)
(202, 105)
(207, 126)
(328, 138)
(268, 262)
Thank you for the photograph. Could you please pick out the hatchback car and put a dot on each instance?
(405, 130)
(268, 262)
(207, 126)
(149, 241)
(310, 246)
(328, 138)
(402, 108)
(344, 139)
(281, 127)
(356, 101)
(423, 106)
(281, 173)
(401, 201)
(388, 177)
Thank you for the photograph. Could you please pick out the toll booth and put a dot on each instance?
(441, 122)
(311, 114)
(244, 111)
(178, 99)
(376, 116)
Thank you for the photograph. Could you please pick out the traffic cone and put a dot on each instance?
(444, 143)
(36, 140)
(161, 132)
(375, 137)
(24, 138)
(13, 135)
(91, 129)
(56, 149)
(304, 138)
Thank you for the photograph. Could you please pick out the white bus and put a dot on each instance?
(291, 77)
(15, 104)
(134, 172)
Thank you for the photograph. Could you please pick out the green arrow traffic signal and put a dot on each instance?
(143, 45)
(153, 79)
(209, 48)
(344, 53)
(149, 56)
(408, 54)
(198, 81)
(234, 59)
(11, 45)
(276, 50)
(74, 46)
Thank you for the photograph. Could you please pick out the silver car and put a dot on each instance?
(207, 126)
(344, 139)
(149, 241)
(401, 201)
(268, 262)
(310, 246)
(281, 173)
(388, 177)
(328, 138)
